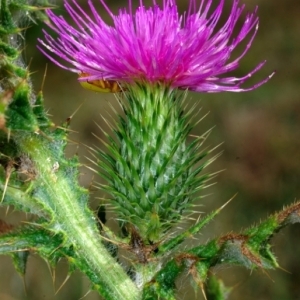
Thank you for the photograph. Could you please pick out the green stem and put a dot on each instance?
(76, 222)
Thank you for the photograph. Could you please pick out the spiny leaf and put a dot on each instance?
(190, 232)
(19, 114)
(215, 289)
(20, 261)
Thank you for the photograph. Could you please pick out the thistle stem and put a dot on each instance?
(76, 222)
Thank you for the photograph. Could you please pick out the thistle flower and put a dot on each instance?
(155, 45)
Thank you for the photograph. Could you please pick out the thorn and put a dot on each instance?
(93, 154)
(203, 291)
(85, 294)
(8, 172)
(96, 163)
(268, 275)
(30, 18)
(54, 276)
(44, 77)
(24, 286)
(196, 136)
(54, 250)
(91, 169)
(8, 134)
(7, 211)
(5, 187)
(89, 147)
(201, 119)
(105, 238)
(90, 186)
(64, 282)
(33, 224)
(45, 135)
(216, 147)
(77, 143)
(107, 123)
(67, 129)
(30, 61)
(284, 270)
(76, 110)
(225, 204)
(51, 271)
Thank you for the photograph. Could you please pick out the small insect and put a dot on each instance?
(100, 85)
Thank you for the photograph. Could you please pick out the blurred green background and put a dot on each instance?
(260, 131)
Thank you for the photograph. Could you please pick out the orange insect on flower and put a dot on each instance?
(100, 85)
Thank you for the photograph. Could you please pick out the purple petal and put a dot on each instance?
(155, 44)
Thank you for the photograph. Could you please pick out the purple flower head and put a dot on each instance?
(155, 44)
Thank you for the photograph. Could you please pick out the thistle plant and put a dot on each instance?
(150, 58)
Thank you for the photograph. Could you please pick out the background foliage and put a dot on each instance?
(261, 136)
